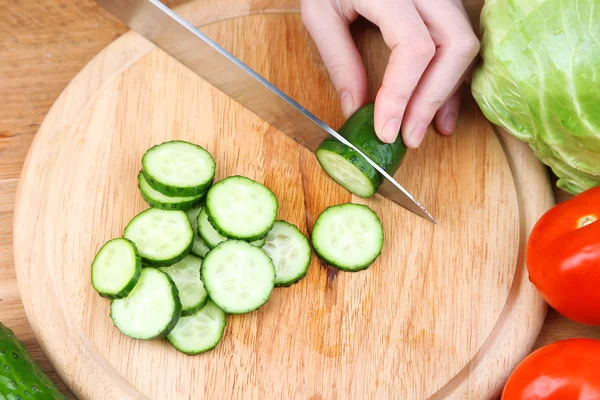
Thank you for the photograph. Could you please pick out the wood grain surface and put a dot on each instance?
(42, 47)
(447, 301)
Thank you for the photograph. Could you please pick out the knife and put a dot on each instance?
(182, 41)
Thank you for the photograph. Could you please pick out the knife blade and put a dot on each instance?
(188, 45)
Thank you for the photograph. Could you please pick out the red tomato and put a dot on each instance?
(563, 257)
(564, 370)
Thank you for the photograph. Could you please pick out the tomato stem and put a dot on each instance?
(584, 221)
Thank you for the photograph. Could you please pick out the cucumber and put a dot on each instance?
(162, 237)
(151, 310)
(186, 275)
(178, 168)
(259, 242)
(20, 376)
(207, 232)
(348, 236)
(199, 248)
(347, 167)
(211, 237)
(238, 276)
(240, 208)
(158, 200)
(116, 268)
(290, 251)
(199, 332)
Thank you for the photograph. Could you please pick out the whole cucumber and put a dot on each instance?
(20, 377)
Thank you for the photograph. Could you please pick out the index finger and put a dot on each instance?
(412, 48)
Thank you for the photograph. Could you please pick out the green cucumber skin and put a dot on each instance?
(134, 280)
(333, 263)
(229, 236)
(206, 349)
(166, 263)
(195, 353)
(176, 311)
(174, 318)
(261, 241)
(359, 130)
(193, 310)
(342, 268)
(298, 278)
(174, 191)
(181, 205)
(22, 378)
(292, 282)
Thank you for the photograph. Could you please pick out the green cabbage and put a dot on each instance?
(540, 80)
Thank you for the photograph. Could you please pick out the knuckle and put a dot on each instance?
(432, 101)
(468, 45)
(395, 96)
(423, 49)
(336, 69)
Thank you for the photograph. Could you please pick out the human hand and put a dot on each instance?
(432, 44)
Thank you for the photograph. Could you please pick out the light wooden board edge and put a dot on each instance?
(531, 181)
(474, 377)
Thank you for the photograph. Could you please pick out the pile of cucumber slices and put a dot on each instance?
(204, 249)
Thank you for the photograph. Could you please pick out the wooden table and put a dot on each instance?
(43, 45)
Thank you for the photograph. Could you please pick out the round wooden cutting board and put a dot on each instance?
(446, 311)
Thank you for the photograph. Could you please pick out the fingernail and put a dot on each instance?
(416, 135)
(391, 130)
(346, 103)
(450, 121)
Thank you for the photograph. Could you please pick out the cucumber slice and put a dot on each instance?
(348, 236)
(290, 251)
(186, 275)
(240, 208)
(199, 332)
(178, 168)
(116, 268)
(199, 248)
(238, 276)
(348, 168)
(207, 232)
(259, 242)
(162, 237)
(158, 200)
(212, 237)
(151, 310)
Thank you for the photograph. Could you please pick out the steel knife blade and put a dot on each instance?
(188, 45)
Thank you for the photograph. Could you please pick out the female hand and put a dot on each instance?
(432, 45)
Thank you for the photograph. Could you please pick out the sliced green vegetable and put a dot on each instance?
(158, 200)
(347, 167)
(199, 332)
(178, 168)
(290, 251)
(240, 208)
(151, 310)
(116, 268)
(186, 275)
(199, 248)
(238, 276)
(348, 236)
(161, 237)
